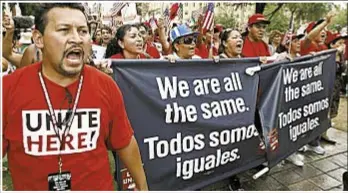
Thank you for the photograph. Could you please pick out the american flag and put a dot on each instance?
(166, 20)
(153, 23)
(208, 18)
(116, 7)
(181, 12)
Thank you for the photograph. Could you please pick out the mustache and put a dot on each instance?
(73, 48)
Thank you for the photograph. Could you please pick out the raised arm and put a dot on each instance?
(7, 53)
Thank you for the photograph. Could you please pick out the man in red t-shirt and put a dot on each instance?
(60, 116)
(254, 46)
(315, 34)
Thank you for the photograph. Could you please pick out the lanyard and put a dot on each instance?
(53, 116)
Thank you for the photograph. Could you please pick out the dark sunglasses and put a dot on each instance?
(188, 40)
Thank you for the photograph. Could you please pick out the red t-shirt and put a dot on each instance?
(120, 56)
(254, 49)
(312, 47)
(203, 51)
(152, 50)
(31, 143)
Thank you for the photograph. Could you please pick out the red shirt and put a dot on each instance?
(203, 51)
(120, 56)
(254, 49)
(152, 50)
(312, 47)
(31, 143)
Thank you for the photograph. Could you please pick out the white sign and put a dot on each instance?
(98, 52)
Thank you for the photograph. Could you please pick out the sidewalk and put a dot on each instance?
(320, 172)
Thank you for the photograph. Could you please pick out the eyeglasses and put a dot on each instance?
(259, 25)
(188, 40)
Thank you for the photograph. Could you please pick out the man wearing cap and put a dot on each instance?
(314, 30)
(254, 46)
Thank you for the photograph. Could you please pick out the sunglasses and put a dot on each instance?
(188, 40)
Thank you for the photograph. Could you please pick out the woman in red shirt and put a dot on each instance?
(127, 44)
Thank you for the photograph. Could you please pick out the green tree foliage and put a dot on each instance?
(279, 20)
(303, 13)
(340, 20)
(226, 20)
(29, 8)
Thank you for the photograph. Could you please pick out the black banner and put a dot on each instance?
(193, 120)
(294, 102)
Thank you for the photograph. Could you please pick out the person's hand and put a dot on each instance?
(171, 58)
(200, 20)
(160, 23)
(263, 59)
(282, 56)
(329, 17)
(8, 24)
(288, 56)
(216, 59)
(312, 53)
(104, 66)
(341, 49)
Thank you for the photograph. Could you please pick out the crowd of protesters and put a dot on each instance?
(141, 41)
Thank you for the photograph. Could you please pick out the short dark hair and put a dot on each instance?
(105, 27)
(144, 26)
(41, 19)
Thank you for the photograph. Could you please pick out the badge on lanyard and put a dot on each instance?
(59, 181)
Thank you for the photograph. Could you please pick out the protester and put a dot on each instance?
(274, 41)
(97, 37)
(309, 45)
(127, 44)
(205, 47)
(216, 37)
(293, 45)
(336, 41)
(312, 40)
(231, 47)
(254, 46)
(183, 42)
(293, 48)
(149, 46)
(31, 54)
(231, 44)
(90, 101)
(105, 35)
